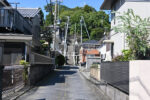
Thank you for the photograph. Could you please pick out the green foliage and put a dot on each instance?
(25, 72)
(97, 33)
(118, 58)
(47, 35)
(23, 62)
(44, 47)
(125, 57)
(96, 21)
(94, 66)
(60, 60)
(88, 9)
(41, 17)
(136, 30)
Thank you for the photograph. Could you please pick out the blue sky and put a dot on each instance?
(70, 3)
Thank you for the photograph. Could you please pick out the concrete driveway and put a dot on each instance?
(63, 84)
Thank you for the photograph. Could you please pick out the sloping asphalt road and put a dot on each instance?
(63, 84)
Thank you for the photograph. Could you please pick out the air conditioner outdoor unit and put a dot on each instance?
(103, 56)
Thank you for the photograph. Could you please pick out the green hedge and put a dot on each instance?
(60, 60)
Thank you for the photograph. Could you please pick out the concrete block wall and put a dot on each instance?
(113, 93)
(91, 60)
(37, 72)
(95, 73)
(139, 80)
(139, 85)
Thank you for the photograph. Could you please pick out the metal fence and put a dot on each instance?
(116, 74)
(12, 78)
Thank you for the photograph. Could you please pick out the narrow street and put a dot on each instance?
(63, 84)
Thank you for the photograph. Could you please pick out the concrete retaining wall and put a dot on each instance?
(139, 80)
(95, 73)
(37, 72)
(116, 74)
(113, 93)
(91, 60)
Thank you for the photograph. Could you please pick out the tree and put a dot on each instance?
(47, 36)
(136, 30)
(96, 21)
(88, 9)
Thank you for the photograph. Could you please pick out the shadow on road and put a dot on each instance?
(58, 76)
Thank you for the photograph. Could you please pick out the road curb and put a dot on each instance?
(15, 98)
(95, 85)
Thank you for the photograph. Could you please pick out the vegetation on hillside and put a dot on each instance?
(97, 21)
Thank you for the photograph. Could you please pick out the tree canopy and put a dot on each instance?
(96, 21)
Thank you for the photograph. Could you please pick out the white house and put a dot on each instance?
(118, 40)
(105, 49)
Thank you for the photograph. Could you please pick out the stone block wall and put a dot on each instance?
(95, 73)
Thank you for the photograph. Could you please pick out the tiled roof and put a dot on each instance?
(90, 52)
(93, 52)
(28, 12)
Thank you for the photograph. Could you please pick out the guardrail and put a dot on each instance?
(12, 19)
(41, 59)
(116, 74)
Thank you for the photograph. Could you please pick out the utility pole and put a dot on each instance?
(66, 33)
(55, 30)
(81, 22)
(74, 53)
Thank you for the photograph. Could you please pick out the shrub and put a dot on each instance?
(94, 66)
(127, 56)
(60, 60)
(118, 58)
(25, 72)
(136, 30)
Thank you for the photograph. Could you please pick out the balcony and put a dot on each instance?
(12, 20)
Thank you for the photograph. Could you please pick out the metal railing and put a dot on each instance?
(12, 19)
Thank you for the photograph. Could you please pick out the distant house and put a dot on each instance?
(118, 41)
(34, 17)
(19, 32)
(105, 49)
(89, 50)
